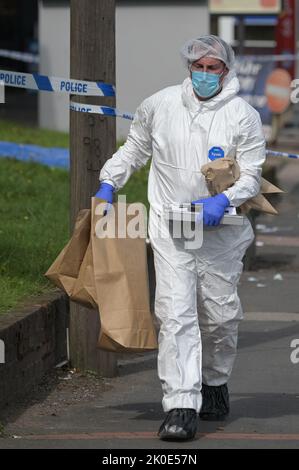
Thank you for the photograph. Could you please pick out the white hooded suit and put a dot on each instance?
(196, 292)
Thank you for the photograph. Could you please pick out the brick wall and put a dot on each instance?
(35, 340)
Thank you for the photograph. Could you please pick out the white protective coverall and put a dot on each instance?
(196, 290)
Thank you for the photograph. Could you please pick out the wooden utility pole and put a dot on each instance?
(92, 141)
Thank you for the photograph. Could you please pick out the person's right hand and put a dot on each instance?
(105, 192)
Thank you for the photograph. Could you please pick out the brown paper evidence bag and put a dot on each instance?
(222, 173)
(109, 274)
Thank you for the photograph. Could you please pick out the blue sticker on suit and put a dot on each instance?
(215, 152)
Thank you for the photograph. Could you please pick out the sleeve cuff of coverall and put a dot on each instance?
(108, 182)
(227, 194)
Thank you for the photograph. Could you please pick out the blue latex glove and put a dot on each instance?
(105, 192)
(213, 208)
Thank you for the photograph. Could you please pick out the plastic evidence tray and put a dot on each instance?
(187, 213)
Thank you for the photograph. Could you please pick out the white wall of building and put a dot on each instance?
(54, 48)
(148, 38)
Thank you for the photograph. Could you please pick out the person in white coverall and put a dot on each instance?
(181, 128)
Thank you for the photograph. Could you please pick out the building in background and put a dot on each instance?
(149, 35)
(256, 27)
(259, 30)
(18, 28)
(19, 32)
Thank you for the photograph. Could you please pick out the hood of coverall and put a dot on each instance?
(230, 88)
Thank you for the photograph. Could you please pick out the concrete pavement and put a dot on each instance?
(264, 402)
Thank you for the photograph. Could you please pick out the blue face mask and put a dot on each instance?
(205, 84)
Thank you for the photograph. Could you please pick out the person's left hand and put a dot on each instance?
(213, 208)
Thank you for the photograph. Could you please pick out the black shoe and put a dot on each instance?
(180, 423)
(215, 402)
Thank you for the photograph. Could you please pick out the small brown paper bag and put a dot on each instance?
(222, 173)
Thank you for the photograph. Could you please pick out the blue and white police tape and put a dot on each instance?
(21, 56)
(82, 87)
(106, 110)
(35, 81)
(274, 153)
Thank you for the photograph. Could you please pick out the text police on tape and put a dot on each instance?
(13, 79)
(73, 87)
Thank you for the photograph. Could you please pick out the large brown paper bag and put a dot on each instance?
(121, 280)
(222, 173)
(84, 290)
(65, 269)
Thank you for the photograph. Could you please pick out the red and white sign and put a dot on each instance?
(278, 90)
